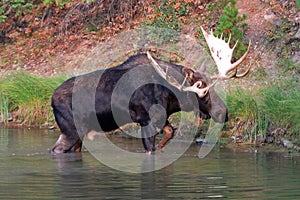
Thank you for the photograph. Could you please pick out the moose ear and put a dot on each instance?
(188, 73)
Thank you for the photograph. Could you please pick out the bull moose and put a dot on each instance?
(194, 87)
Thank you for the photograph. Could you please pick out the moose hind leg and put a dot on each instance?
(69, 140)
(65, 144)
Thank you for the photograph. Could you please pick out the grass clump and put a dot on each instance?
(3, 108)
(244, 114)
(241, 103)
(282, 106)
(257, 113)
(28, 96)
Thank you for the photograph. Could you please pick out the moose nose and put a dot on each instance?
(220, 116)
(226, 117)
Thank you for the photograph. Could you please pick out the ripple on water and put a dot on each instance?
(27, 171)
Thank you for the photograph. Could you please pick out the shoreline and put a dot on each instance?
(284, 146)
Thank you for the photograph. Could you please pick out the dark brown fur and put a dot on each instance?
(140, 102)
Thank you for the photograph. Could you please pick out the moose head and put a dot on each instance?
(221, 53)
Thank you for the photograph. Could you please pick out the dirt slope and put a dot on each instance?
(45, 48)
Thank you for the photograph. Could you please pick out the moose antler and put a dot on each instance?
(201, 92)
(222, 55)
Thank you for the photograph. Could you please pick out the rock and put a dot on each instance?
(286, 143)
(237, 139)
(269, 139)
(270, 17)
(297, 148)
(200, 141)
(296, 57)
(10, 117)
(297, 35)
(260, 139)
(278, 22)
(51, 127)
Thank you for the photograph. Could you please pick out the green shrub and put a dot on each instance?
(17, 8)
(231, 23)
(167, 17)
(60, 3)
(168, 14)
(2, 14)
(223, 17)
(14, 8)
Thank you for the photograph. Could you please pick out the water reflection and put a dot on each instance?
(78, 170)
(27, 171)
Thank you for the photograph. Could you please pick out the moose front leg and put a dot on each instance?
(148, 138)
(169, 133)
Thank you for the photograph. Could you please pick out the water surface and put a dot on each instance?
(28, 171)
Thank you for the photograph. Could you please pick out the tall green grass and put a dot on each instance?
(253, 111)
(242, 104)
(28, 96)
(281, 103)
(3, 108)
(244, 113)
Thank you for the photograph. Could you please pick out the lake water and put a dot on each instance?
(28, 171)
